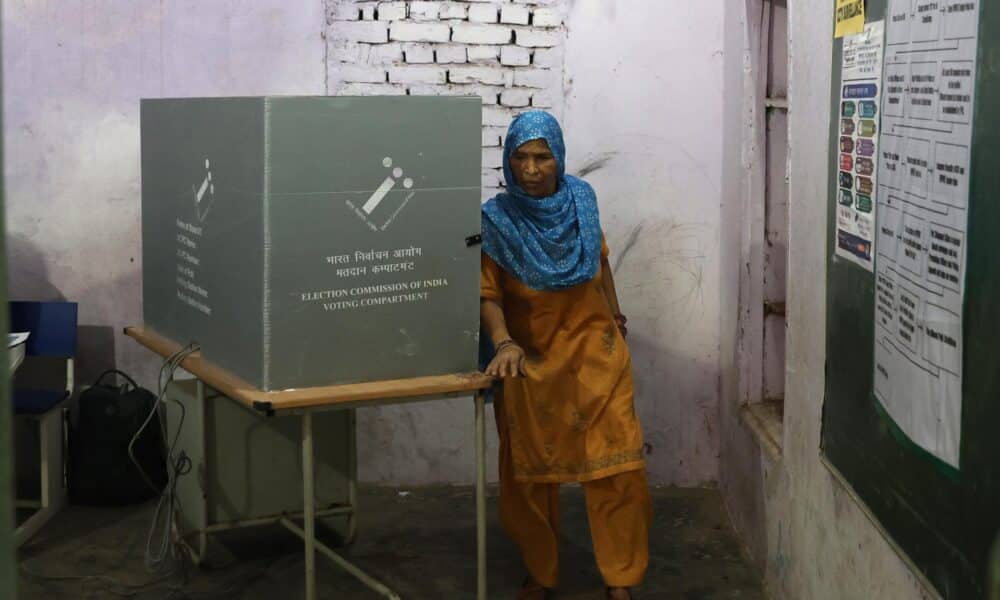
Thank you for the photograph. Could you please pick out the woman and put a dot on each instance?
(565, 410)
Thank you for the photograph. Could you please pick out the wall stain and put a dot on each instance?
(595, 164)
(675, 246)
(633, 238)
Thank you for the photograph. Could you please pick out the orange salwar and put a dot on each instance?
(618, 508)
(570, 419)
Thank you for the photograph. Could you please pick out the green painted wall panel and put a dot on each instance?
(944, 520)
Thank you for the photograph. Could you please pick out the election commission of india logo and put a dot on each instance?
(204, 193)
(381, 208)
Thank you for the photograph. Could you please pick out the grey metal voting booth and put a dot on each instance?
(316, 251)
(314, 241)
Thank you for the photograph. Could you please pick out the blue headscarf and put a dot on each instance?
(549, 243)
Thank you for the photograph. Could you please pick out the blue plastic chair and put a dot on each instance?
(52, 328)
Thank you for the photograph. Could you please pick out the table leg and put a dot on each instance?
(309, 505)
(343, 563)
(481, 495)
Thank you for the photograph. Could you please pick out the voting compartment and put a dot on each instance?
(307, 241)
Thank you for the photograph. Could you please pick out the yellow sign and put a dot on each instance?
(850, 17)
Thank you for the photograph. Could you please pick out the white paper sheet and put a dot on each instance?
(923, 196)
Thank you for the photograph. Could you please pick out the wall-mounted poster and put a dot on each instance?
(857, 146)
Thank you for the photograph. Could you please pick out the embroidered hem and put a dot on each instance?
(590, 470)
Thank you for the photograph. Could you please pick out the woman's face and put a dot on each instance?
(535, 168)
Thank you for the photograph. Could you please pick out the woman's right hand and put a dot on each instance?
(509, 362)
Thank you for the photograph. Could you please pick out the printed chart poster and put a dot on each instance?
(857, 158)
(923, 202)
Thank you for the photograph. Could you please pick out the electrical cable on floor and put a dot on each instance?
(110, 584)
(107, 584)
(173, 584)
(156, 557)
(232, 590)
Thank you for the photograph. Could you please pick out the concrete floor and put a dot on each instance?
(420, 543)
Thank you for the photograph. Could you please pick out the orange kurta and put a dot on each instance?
(571, 418)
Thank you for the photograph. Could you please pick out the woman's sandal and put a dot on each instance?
(532, 590)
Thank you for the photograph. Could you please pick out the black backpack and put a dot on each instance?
(100, 471)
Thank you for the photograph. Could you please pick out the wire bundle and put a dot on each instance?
(177, 465)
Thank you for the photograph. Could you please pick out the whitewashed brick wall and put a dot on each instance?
(508, 52)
